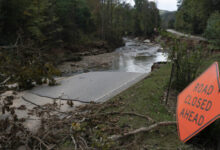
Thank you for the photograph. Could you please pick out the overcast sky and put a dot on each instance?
(170, 5)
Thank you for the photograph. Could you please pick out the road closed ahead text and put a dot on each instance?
(199, 103)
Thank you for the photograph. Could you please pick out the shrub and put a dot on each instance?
(187, 60)
(26, 66)
(212, 31)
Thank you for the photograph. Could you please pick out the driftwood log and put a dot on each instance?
(143, 129)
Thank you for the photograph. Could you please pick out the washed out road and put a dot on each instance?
(133, 64)
(92, 86)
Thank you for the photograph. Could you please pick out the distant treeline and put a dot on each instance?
(67, 22)
(168, 19)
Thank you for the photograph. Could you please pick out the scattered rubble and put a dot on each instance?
(84, 126)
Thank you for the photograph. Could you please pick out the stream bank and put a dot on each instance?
(135, 56)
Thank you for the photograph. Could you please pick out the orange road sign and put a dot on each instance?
(199, 104)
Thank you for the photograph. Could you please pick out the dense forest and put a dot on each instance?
(32, 31)
(66, 22)
(199, 17)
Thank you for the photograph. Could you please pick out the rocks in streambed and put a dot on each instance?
(88, 63)
(160, 50)
(157, 65)
(94, 48)
(147, 41)
(93, 52)
(75, 53)
(137, 38)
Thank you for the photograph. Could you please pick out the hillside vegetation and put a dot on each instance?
(168, 19)
(200, 17)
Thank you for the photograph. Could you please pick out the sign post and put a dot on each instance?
(199, 104)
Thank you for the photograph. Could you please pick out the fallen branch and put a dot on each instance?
(127, 113)
(143, 129)
(60, 98)
(42, 142)
(12, 46)
(32, 103)
(8, 47)
(74, 142)
(39, 106)
(84, 142)
(5, 81)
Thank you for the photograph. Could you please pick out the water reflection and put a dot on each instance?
(136, 56)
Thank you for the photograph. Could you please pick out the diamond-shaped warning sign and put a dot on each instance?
(199, 104)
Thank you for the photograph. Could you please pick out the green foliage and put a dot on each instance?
(168, 19)
(212, 31)
(186, 62)
(100, 140)
(26, 67)
(186, 57)
(146, 18)
(146, 98)
(53, 23)
(192, 15)
(33, 19)
(12, 19)
(74, 19)
(61, 24)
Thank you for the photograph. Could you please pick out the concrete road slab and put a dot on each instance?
(92, 86)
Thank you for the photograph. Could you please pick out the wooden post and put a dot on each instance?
(170, 82)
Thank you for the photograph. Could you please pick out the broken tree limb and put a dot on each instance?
(128, 113)
(8, 47)
(60, 98)
(5, 81)
(74, 141)
(143, 129)
(42, 142)
(39, 106)
(12, 46)
(26, 100)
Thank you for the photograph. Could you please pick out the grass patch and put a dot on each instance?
(146, 98)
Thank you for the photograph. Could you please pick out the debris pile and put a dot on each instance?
(86, 127)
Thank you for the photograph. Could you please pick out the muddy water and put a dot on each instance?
(137, 56)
